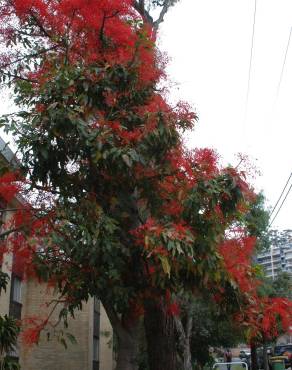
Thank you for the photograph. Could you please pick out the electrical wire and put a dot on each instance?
(284, 64)
(250, 58)
(278, 91)
(279, 209)
(287, 182)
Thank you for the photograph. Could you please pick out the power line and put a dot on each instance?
(287, 182)
(278, 91)
(284, 63)
(251, 57)
(281, 205)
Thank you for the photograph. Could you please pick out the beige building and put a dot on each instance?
(91, 328)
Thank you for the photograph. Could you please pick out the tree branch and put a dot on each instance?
(160, 19)
(140, 7)
(10, 231)
(16, 77)
(40, 26)
(114, 319)
(180, 328)
(28, 56)
(105, 17)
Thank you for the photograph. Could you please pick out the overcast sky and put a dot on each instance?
(209, 43)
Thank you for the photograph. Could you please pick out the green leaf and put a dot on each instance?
(127, 160)
(165, 265)
(71, 338)
(44, 152)
(63, 342)
(53, 105)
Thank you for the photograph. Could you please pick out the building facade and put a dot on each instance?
(24, 299)
(279, 257)
(91, 328)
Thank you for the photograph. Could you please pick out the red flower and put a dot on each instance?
(173, 309)
(31, 336)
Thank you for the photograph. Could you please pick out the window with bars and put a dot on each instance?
(16, 289)
(96, 328)
(15, 306)
(3, 276)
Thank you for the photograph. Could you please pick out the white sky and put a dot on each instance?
(209, 44)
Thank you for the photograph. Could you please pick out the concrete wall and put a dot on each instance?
(5, 295)
(7, 268)
(105, 342)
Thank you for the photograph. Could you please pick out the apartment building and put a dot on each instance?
(271, 261)
(278, 258)
(28, 298)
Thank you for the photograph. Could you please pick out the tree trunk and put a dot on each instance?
(265, 356)
(187, 355)
(184, 338)
(160, 337)
(253, 356)
(127, 329)
(127, 352)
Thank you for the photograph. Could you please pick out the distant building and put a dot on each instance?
(279, 258)
(91, 327)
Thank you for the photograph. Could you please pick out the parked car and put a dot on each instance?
(244, 356)
(244, 353)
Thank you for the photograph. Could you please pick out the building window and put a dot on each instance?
(96, 328)
(15, 297)
(96, 305)
(16, 289)
(95, 349)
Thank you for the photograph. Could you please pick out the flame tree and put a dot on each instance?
(118, 207)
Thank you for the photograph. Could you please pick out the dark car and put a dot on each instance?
(244, 353)
(284, 350)
(244, 356)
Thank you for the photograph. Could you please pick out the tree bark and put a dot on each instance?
(265, 356)
(253, 356)
(184, 338)
(139, 5)
(187, 350)
(128, 348)
(127, 329)
(160, 337)
(187, 355)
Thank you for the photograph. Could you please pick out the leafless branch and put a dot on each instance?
(160, 19)
(139, 5)
(140, 8)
